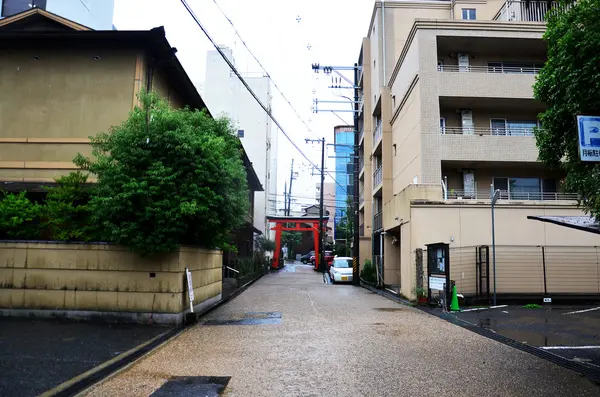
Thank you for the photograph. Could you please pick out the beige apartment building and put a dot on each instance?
(447, 117)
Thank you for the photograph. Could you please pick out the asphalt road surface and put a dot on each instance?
(290, 334)
(36, 356)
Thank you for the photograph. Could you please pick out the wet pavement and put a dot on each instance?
(338, 340)
(36, 356)
(572, 332)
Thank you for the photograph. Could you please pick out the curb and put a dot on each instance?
(82, 383)
(581, 369)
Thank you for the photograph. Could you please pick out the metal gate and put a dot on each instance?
(482, 259)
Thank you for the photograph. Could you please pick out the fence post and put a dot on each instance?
(544, 267)
(419, 265)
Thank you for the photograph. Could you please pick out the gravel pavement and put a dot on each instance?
(340, 340)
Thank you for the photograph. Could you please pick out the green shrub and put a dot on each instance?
(19, 217)
(368, 272)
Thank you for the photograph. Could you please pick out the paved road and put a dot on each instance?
(292, 335)
(36, 356)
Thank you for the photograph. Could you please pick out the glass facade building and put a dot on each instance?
(344, 167)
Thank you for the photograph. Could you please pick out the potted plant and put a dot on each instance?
(421, 294)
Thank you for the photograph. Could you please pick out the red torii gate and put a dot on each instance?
(281, 226)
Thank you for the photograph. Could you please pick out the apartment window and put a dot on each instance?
(525, 188)
(469, 14)
(240, 133)
(443, 125)
(513, 127)
(12, 7)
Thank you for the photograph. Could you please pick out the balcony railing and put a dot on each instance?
(377, 133)
(361, 230)
(490, 69)
(378, 221)
(528, 11)
(361, 197)
(361, 162)
(506, 131)
(456, 194)
(377, 176)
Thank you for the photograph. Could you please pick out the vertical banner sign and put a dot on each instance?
(188, 276)
(589, 137)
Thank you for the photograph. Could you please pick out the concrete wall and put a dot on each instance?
(95, 14)
(54, 106)
(88, 280)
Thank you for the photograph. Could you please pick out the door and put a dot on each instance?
(467, 122)
(463, 62)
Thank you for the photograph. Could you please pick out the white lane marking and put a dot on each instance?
(568, 347)
(483, 308)
(584, 311)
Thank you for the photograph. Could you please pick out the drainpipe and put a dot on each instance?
(452, 9)
(383, 39)
(381, 256)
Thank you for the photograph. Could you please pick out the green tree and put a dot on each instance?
(264, 244)
(66, 213)
(291, 240)
(168, 177)
(19, 217)
(569, 85)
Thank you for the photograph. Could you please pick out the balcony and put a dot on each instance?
(377, 177)
(528, 11)
(361, 135)
(361, 230)
(492, 67)
(361, 162)
(377, 133)
(361, 197)
(501, 131)
(378, 221)
(485, 194)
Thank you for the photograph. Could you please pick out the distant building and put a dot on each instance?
(94, 14)
(329, 200)
(225, 95)
(344, 175)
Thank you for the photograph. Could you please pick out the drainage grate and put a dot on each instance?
(189, 386)
(250, 318)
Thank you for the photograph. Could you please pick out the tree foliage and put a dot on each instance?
(569, 85)
(262, 243)
(19, 217)
(67, 215)
(167, 177)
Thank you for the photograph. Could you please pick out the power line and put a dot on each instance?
(184, 2)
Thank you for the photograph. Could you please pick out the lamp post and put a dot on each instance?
(495, 196)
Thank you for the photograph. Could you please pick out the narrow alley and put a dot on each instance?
(290, 334)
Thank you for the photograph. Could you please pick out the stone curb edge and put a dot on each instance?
(80, 384)
(581, 369)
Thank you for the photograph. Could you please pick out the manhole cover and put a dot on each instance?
(250, 318)
(188, 386)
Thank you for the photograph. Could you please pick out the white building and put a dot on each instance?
(224, 94)
(95, 14)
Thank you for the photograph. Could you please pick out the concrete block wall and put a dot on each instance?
(91, 280)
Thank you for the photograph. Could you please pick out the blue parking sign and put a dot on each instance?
(589, 137)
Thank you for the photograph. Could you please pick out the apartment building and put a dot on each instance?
(95, 14)
(331, 203)
(447, 117)
(344, 173)
(226, 96)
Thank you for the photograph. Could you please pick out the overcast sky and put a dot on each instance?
(286, 37)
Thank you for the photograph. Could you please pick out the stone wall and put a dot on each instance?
(105, 281)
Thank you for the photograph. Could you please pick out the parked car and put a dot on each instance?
(341, 269)
(328, 258)
(306, 257)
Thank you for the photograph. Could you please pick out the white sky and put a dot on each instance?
(333, 29)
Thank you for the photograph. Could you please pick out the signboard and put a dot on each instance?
(589, 137)
(188, 276)
(437, 283)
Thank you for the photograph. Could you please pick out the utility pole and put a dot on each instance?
(355, 109)
(289, 204)
(322, 264)
(285, 199)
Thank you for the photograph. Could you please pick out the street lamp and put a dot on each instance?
(495, 196)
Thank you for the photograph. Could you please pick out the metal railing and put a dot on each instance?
(361, 230)
(378, 221)
(528, 11)
(506, 131)
(361, 196)
(361, 134)
(377, 133)
(361, 162)
(377, 176)
(490, 69)
(485, 194)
